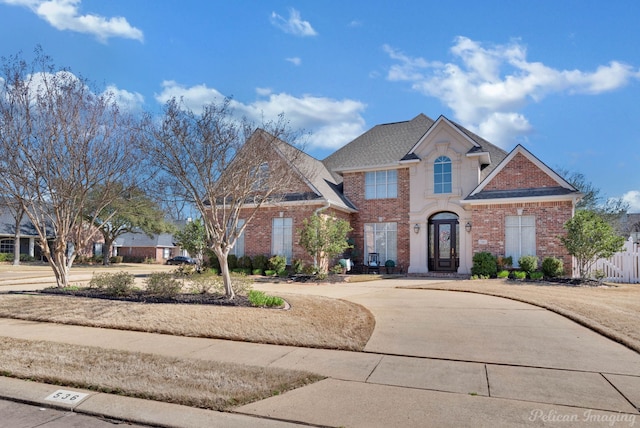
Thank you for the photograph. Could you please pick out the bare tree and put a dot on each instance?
(226, 168)
(59, 141)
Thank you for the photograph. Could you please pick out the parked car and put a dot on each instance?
(181, 260)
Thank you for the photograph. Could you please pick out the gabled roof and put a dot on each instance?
(381, 146)
(392, 144)
(489, 154)
(8, 225)
(562, 190)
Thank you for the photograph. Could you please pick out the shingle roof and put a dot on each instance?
(387, 144)
(381, 145)
(520, 193)
(8, 225)
(143, 240)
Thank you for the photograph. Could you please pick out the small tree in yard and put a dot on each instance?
(130, 210)
(223, 167)
(193, 238)
(590, 238)
(59, 141)
(324, 237)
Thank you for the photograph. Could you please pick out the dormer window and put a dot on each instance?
(442, 175)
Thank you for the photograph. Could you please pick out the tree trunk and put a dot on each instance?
(224, 271)
(16, 248)
(106, 251)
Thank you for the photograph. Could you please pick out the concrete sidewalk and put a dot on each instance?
(435, 359)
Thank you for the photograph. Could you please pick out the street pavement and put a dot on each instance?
(436, 358)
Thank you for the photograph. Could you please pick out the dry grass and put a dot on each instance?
(311, 322)
(613, 311)
(205, 384)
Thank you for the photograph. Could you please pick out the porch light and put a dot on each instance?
(416, 228)
(467, 226)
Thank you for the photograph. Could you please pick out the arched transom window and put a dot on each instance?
(442, 175)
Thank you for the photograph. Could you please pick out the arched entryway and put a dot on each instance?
(444, 242)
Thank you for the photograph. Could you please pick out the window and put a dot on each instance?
(381, 184)
(261, 177)
(282, 238)
(238, 249)
(6, 246)
(381, 238)
(442, 175)
(520, 237)
(166, 253)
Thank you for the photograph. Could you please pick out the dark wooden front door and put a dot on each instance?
(443, 245)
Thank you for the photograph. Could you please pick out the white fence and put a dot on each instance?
(622, 267)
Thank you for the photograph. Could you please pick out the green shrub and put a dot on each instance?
(97, 259)
(297, 265)
(519, 274)
(337, 269)
(260, 262)
(260, 299)
(214, 271)
(504, 262)
(150, 261)
(503, 274)
(484, 263)
(528, 263)
(232, 262)
(257, 271)
(27, 258)
(278, 263)
(537, 275)
(310, 270)
(212, 259)
(270, 272)
(243, 271)
(552, 267)
(133, 259)
(6, 257)
(208, 282)
(114, 284)
(116, 259)
(245, 263)
(163, 284)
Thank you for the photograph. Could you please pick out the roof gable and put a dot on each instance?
(519, 175)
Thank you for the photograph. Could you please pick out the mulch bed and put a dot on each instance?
(143, 297)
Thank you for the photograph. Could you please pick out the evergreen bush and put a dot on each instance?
(484, 263)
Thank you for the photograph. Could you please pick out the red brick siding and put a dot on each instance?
(394, 210)
(489, 224)
(147, 252)
(520, 173)
(258, 231)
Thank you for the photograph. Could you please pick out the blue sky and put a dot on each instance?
(560, 77)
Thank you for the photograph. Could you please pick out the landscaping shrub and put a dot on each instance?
(503, 274)
(244, 262)
(206, 283)
(257, 271)
(337, 269)
(6, 257)
(114, 284)
(212, 259)
(116, 259)
(278, 263)
(504, 262)
(260, 262)
(163, 284)
(484, 263)
(528, 263)
(259, 298)
(520, 274)
(297, 265)
(27, 258)
(270, 272)
(133, 259)
(232, 261)
(552, 267)
(537, 275)
(309, 270)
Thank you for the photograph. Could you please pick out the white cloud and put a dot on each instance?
(64, 15)
(632, 198)
(294, 60)
(332, 122)
(294, 25)
(128, 101)
(486, 87)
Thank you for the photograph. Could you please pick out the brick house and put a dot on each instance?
(426, 194)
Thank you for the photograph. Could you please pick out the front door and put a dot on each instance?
(443, 243)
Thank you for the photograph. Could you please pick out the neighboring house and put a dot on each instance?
(426, 194)
(28, 235)
(630, 226)
(140, 246)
